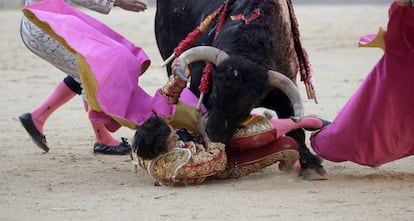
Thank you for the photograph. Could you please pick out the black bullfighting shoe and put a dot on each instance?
(324, 124)
(37, 137)
(122, 149)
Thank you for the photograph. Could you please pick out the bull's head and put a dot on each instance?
(238, 85)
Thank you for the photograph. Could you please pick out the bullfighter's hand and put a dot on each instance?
(403, 2)
(131, 5)
(173, 89)
(177, 65)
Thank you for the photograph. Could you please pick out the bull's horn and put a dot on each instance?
(199, 53)
(283, 83)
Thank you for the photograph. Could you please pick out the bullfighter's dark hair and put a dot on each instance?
(150, 138)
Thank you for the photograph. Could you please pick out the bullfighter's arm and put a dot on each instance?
(105, 6)
(101, 6)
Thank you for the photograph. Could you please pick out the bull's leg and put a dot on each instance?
(311, 165)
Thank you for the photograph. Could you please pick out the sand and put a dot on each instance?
(71, 183)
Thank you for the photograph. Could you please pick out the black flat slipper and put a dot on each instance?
(122, 149)
(37, 137)
(324, 124)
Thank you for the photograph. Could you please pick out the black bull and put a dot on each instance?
(240, 83)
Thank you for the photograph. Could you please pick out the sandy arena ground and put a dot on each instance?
(71, 183)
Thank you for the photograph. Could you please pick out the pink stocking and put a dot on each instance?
(59, 96)
(283, 126)
(102, 135)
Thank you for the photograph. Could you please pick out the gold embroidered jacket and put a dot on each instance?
(187, 164)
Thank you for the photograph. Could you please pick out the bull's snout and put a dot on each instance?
(218, 136)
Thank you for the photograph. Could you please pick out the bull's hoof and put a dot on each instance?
(313, 174)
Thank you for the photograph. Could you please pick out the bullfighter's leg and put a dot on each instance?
(34, 122)
(105, 142)
(244, 162)
(283, 126)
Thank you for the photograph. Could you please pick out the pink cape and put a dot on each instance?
(377, 123)
(108, 63)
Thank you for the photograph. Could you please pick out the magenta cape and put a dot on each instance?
(109, 66)
(108, 63)
(377, 123)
